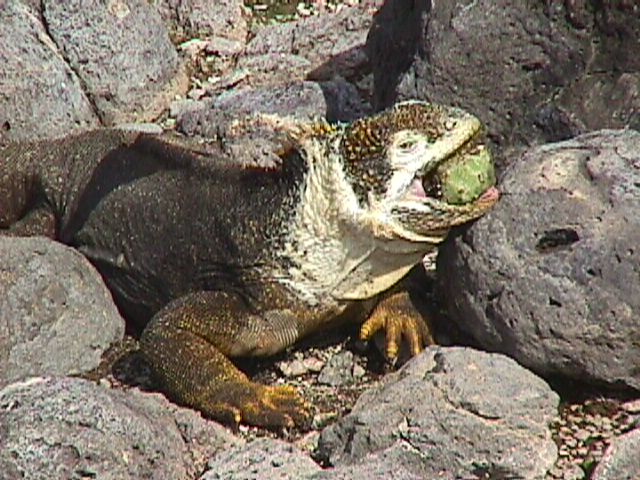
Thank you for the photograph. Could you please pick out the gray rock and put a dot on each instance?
(262, 458)
(121, 53)
(452, 413)
(40, 96)
(274, 68)
(550, 275)
(338, 370)
(223, 47)
(203, 18)
(56, 314)
(334, 100)
(399, 461)
(151, 128)
(551, 80)
(621, 460)
(72, 428)
(333, 43)
(211, 117)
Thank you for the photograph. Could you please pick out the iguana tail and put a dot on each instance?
(41, 182)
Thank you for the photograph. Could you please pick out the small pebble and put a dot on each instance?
(358, 371)
(294, 368)
(104, 382)
(574, 472)
(632, 407)
(582, 435)
(314, 364)
(321, 420)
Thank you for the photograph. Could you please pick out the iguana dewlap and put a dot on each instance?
(221, 260)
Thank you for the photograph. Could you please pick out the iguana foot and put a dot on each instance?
(253, 404)
(400, 320)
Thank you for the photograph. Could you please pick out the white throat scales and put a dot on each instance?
(330, 238)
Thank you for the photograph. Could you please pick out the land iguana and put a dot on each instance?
(222, 261)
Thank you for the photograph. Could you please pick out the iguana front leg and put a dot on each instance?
(396, 314)
(188, 344)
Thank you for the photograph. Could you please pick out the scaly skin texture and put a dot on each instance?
(215, 260)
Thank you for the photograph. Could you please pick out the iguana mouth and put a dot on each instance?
(464, 177)
(458, 189)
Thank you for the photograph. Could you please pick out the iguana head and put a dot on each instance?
(373, 197)
(418, 169)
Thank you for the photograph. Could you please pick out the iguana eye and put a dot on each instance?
(407, 144)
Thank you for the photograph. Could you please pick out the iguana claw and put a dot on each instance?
(397, 316)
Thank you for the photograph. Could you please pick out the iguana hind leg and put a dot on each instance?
(188, 344)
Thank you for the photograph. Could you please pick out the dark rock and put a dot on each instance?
(333, 43)
(455, 53)
(551, 275)
(72, 428)
(262, 458)
(344, 104)
(621, 460)
(607, 94)
(460, 412)
(566, 68)
(40, 96)
(392, 46)
(122, 55)
(56, 315)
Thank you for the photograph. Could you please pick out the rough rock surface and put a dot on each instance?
(478, 414)
(304, 100)
(262, 458)
(550, 275)
(333, 42)
(120, 51)
(621, 460)
(395, 462)
(336, 100)
(39, 92)
(72, 428)
(203, 18)
(338, 370)
(56, 315)
(274, 68)
(566, 67)
(270, 458)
